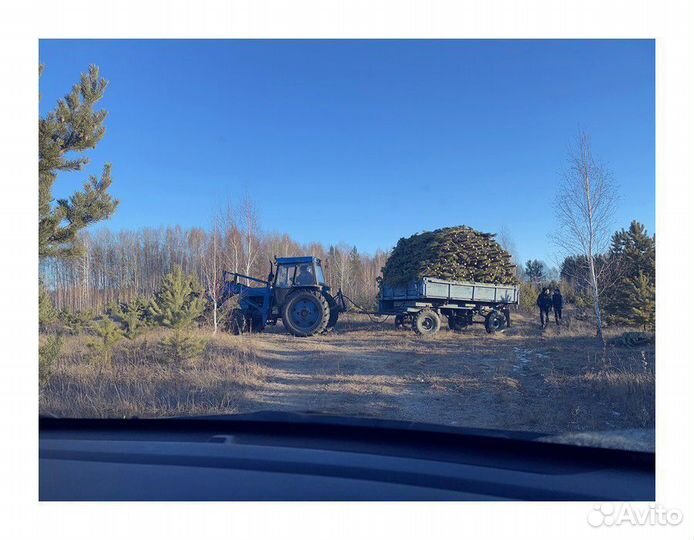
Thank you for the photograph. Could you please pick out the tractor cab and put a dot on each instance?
(299, 272)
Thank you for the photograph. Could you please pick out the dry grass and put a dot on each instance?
(139, 382)
(613, 383)
(555, 380)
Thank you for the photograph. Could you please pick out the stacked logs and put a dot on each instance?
(453, 253)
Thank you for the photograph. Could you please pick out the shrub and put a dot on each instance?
(177, 306)
(180, 344)
(47, 312)
(77, 323)
(108, 335)
(49, 353)
(133, 318)
(528, 295)
(641, 298)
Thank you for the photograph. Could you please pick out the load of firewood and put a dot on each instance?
(454, 253)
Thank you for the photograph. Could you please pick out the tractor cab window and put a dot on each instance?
(305, 275)
(297, 275)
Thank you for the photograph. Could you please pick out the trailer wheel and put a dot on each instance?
(494, 322)
(427, 322)
(305, 312)
(403, 321)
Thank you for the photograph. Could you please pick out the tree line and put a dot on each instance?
(120, 266)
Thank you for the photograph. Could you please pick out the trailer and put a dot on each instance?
(422, 303)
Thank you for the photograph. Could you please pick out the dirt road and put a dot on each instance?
(552, 381)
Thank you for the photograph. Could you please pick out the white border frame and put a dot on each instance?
(25, 22)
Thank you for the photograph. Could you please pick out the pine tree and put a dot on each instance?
(177, 306)
(181, 344)
(641, 298)
(77, 323)
(635, 249)
(535, 271)
(109, 334)
(47, 312)
(575, 274)
(132, 317)
(72, 127)
(49, 353)
(633, 252)
(356, 272)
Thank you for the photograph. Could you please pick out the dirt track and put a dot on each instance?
(552, 381)
(528, 379)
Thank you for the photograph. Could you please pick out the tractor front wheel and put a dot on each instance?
(305, 312)
(243, 322)
(254, 320)
(237, 323)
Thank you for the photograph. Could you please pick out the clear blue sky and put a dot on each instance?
(364, 141)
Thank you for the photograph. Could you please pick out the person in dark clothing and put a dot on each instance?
(304, 276)
(557, 304)
(544, 302)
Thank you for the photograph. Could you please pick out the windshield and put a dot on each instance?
(461, 290)
(285, 275)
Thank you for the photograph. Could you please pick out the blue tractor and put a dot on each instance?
(295, 291)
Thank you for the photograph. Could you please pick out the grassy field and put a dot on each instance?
(555, 380)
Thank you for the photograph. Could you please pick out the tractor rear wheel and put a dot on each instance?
(427, 322)
(334, 312)
(305, 312)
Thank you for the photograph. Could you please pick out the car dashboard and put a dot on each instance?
(300, 457)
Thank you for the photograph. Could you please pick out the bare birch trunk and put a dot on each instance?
(584, 209)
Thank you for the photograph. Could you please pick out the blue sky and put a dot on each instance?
(364, 142)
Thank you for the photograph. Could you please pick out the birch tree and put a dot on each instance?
(119, 267)
(584, 207)
(231, 239)
(250, 223)
(211, 271)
